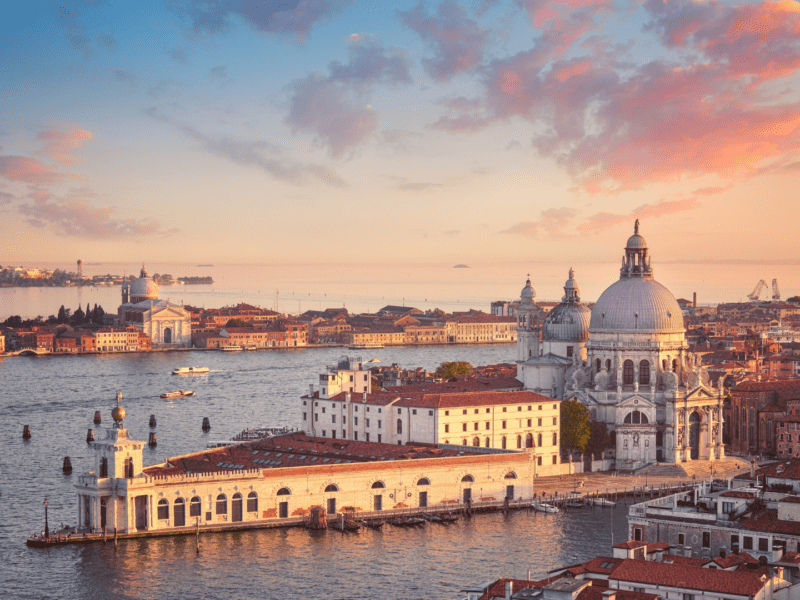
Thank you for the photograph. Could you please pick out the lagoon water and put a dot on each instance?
(57, 397)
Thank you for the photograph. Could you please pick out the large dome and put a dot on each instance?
(143, 288)
(567, 322)
(637, 304)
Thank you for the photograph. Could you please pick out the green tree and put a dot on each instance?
(794, 299)
(78, 317)
(599, 439)
(62, 315)
(451, 370)
(237, 323)
(575, 428)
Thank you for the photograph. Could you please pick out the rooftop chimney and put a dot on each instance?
(694, 300)
(610, 595)
(364, 398)
(509, 589)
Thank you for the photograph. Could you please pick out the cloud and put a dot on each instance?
(107, 41)
(551, 221)
(617, 126)
(178, 54)
(456, 41)
(169, 85)
(219, 74)
(250, 153)
(604, 220)
(333, 106)
(6, 198)
(79, 218)
(404, 185)
(399, 140)
(124, 76)
(58, 145)
(76, 36)
(289, 17)
(30, 170)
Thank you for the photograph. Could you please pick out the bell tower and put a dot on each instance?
(528, 327)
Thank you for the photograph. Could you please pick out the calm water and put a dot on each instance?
(296, 288)
(57, 397)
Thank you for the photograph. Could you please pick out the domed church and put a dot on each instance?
(627, 360)
(167, 324)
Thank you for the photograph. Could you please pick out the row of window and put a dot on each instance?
(221, 505)
(747, 540)
(488, 410)
(503, 425)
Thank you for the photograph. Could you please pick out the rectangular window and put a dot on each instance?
(747, 542)
(519, 409)
(706, 539)
(367, 422)
(539, 422)
(530, 421)
(504, 424)
(323, 410)
(476, 411)
(305, 417)
(488, 426)
(476, 427)
(539, 460)
(529, 408)
(555, 459)
(344, 434)
(316, 416)
(555, 406)
(414, 411)
(367, 434)
(344, 420)
(379, 423)
(504, 409)
(488, 410)
(763, 544)
(681, 539)
(379, 438)
(447, 413)
(430, 413)
(555, 420)
(355, 421)
(333, 418)
(447, 428)
(463, 412)
(324, 433)
(463, 427)
(540, 407)
(356, 408)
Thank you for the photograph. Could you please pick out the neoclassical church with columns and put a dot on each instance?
(167, 324)
(628, 362)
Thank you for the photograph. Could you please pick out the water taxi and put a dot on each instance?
(177, 394)
(191, 371)
(544, 507)
(364, 346)
(232, 348)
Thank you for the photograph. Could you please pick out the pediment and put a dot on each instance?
(548, 359)
(700, 392)
(169, 311)
(636, 401)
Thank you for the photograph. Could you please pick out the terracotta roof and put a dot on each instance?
(732, 560)
(737, 583)
(767, 521)
(790, 499)
(790, 557)
(768, 386)
(630, 544)
(403, 396)
(656, 546)
(788, 470)
(746, 495)
(602, 564)
(676, 559)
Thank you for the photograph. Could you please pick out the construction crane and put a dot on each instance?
(757, 291)
(776, 295)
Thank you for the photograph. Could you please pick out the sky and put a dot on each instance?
(351, 131)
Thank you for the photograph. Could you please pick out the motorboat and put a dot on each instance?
(603, 502)
(191, 371)
(233, 348)
(364, 346)
(177, 394)
(544, 507)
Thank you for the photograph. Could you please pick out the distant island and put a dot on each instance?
(20, 277)
(461, 267)
(204, 265)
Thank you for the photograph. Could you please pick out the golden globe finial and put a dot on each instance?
(118, 413)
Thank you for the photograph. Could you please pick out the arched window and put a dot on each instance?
(163, 509)
(252, 502)
(424, 481)
(636, 417)
(399, 426)
(464, 442)
(222, 505)
(529, 440)
(194, 507)
(486, 443)
(644, 373)
(664, 364)
(511, 475)
(476, 441)
(519, 441)
(503, 442)
(378, 485)
(284, 492)
(675, 365)
(599, 364)
(332, 488)
(627, 372)
(467, 479)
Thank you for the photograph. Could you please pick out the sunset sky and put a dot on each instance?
(375, 131)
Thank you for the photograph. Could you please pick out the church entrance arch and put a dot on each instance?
(167, 335)
(694, 434)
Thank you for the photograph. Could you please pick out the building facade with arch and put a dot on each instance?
(630, 365)
(269, 481)
(166, 323)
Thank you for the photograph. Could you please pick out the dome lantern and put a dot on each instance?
(528, 294)
(636, 262)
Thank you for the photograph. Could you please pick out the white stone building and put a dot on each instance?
(166, 323)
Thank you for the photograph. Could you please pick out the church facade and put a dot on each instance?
(167, 324)
(627, 361)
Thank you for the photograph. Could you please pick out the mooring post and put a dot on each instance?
(197, 534)
(115, 538)
(26, 432)
(104, 534)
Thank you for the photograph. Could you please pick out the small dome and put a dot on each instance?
(118, 414)
(636, 242)
(637, 304)
(527, 294)
(567, 322)
(143, 288)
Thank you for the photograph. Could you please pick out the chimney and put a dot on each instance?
(364, 398)
(347, 397)
(610, 595)
(752, 467)
(310, 390)
(509, 589)
(694, 300)
(687, 551)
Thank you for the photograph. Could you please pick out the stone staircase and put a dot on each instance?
(701, 469)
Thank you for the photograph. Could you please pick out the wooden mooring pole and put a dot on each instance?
(115, 538)
(197, 534)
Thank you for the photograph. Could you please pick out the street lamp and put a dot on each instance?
(46, 525)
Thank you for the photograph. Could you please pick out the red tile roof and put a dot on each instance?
(732, 560)
(676, 559)
(767, 521)
(630, 544)
(403, 396)
(768, 386)
(738, 583)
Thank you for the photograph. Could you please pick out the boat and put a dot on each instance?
(177, 394)
(432, 518)
(372, 523)
(233, 348)
(544, 507)
(407, 521)
(191, 371)
(250, 348)
(603, 502)
(448, 518)
(575, 504)
(345, 525)
(364, 346)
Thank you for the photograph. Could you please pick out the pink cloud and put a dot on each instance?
(604, 220)
(552, 221)
(456, 40)
(30, 170)
(58, 146)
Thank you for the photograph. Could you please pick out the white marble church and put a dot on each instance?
(627, 360)
(167, 324)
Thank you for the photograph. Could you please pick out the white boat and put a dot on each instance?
(544, 507)
(604, 502)
(177, 394)
(191, 371)
(233, 348)
(364, 346)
